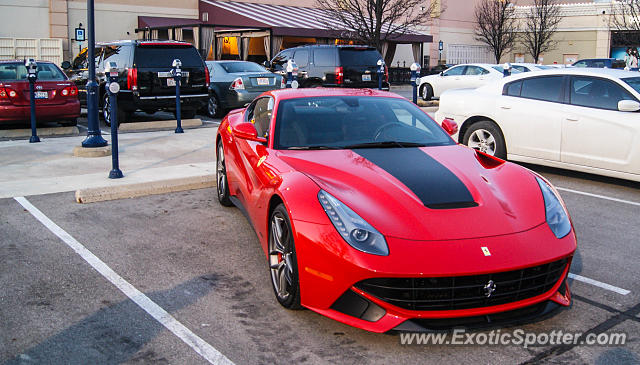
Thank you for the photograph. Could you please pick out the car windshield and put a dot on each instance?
(240, 66)
(345, 122)
(359, 56)
(16, 71)
(634, 82)
(162, 56)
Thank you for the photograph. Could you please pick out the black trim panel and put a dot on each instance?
(433, 183)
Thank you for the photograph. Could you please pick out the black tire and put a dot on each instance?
(486, 137)
(214, 109)
(283, 264)
(69, 123)
(426, 91)
(106, 112)
(222, 184)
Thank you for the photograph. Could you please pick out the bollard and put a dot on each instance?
(415, 68)
(380, 73)
(177, 75)
(506, 69)
(113, 88)
(32, 72)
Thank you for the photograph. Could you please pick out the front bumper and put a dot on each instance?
(66, 111)
(330, 268)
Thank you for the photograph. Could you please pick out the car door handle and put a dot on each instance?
(572, 119)
(505, 107)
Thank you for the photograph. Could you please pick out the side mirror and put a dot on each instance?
(442, 73)
(628, 106)
(266, 64)
(247, 131)
(450, 126)
(66, 65)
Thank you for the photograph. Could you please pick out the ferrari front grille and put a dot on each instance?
(463, 292)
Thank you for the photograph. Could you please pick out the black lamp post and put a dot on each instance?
(94, 137)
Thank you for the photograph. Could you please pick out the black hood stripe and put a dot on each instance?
(433, 183)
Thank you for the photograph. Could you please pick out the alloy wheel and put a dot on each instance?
(483, 141)
(281, 256)
(221, 173)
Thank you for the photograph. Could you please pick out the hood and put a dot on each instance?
(427, 193)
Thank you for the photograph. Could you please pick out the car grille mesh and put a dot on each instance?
(463, 292)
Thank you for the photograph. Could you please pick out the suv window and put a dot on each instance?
(598, 93)
(259, 113)
(301, 58)
(121, 55)
(359, 56)
(547, 88)
(324, 57)
(279, 61)
(475, 70)
(454, 71)
(580, 64)
(163, 56)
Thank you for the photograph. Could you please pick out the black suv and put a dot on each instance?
(332, 66)
(145, 82)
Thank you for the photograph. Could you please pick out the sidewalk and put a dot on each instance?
(148, 157)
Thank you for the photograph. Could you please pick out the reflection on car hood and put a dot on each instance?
(449, 193)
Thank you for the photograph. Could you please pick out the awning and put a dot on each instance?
(155, 22)
(284, 20)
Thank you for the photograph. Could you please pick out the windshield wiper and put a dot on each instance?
(384, 144)
(313, 148)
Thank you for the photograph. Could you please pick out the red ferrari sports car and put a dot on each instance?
(370, 214)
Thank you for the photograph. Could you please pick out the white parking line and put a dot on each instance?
(599, 196)
(191, 339)
(599, 284)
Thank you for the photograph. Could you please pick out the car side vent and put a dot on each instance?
(488, 161)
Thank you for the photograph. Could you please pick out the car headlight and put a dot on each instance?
(557, 217)
(356, 231)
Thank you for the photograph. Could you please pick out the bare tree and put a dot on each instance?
(496, 26)
(625, 17)
(373, 22)
(540, 23)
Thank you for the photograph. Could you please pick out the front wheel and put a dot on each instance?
(106, 112)
(222, 184)
(485, 136)
(426, 91)
(283, 263)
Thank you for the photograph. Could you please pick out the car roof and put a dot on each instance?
(22, 61)
(142, 42)
(586, 71)
(321, 91)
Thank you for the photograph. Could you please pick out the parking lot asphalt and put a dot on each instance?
(178, 279)
(202, 263)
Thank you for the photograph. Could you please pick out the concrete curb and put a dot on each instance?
(159, 124)
(42, 132)
(79, 151)
(92, 195)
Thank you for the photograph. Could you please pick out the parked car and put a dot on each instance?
(332, 66)
(145, 82)
(529, 67)
(234, 84)
(458, 77)
(600, 63)
(579, 119)
(56, 97)
(356, 197)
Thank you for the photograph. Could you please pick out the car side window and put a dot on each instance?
(580, 64)
(260, 115)
(473, 71)
(512, 88)
(301, 58)
(548, 88)
(121, 55)
(324, 57)
(454, 71)
(520, 68)
(593, 92)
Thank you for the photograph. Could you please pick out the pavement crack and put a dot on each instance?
(606, 325)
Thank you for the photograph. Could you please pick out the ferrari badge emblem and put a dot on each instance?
(489, 288)
(485, 251)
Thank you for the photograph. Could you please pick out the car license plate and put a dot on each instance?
(263, 81)
(171, 82)
(41, 95)
(366, 77)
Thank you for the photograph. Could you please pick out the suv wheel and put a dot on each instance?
(106, 111)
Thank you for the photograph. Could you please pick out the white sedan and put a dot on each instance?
(580, 119)
(529, 67)
(458, 77)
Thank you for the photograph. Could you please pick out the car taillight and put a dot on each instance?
(70, 91)
(386, 73)
(282, 83)
(206, 76)
(132, 79)
(237, 84)
(339, 75)
(6, 93)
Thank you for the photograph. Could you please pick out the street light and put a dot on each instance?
(94, 137)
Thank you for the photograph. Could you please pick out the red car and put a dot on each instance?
(370, 214)
(56, 96)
